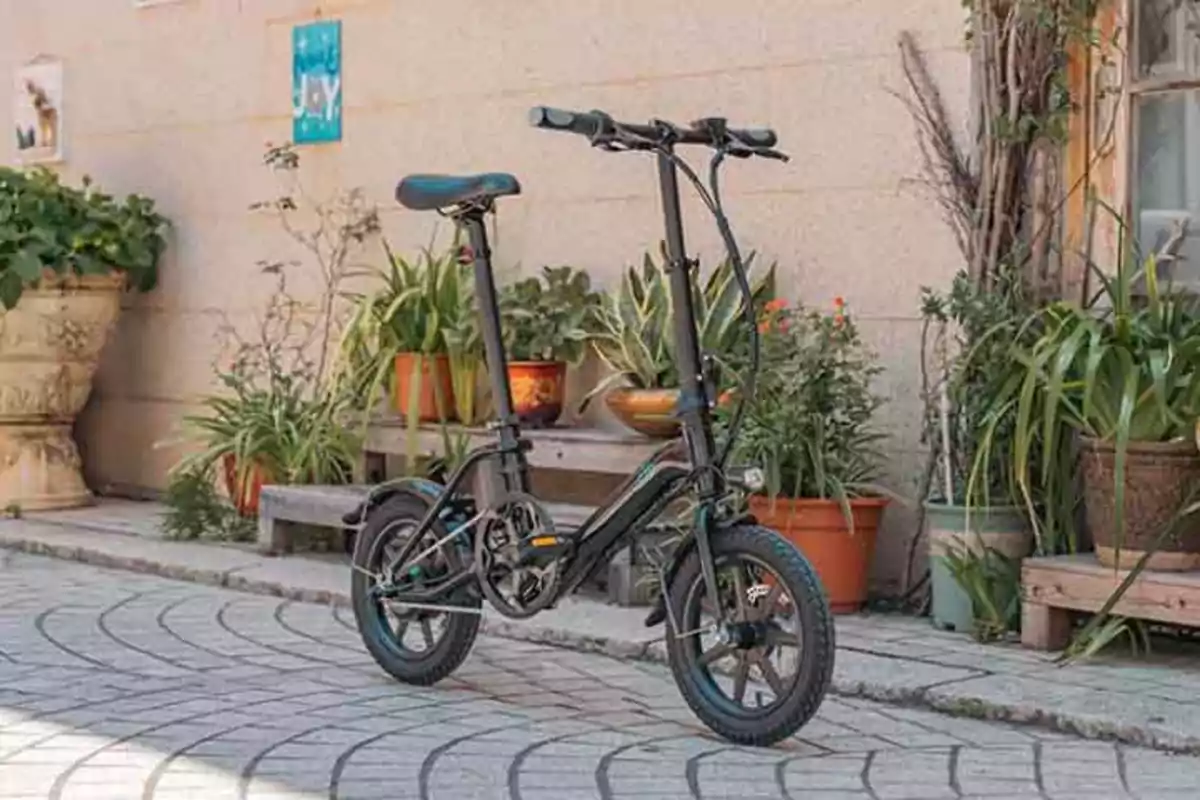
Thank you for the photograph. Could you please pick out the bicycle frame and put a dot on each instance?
(655, 484)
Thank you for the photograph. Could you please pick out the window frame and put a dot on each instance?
(1129, 150)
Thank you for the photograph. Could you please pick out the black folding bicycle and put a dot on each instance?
(737, 598)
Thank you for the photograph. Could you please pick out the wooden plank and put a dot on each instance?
(1082, 584)
(1044, 627)
(557, 448)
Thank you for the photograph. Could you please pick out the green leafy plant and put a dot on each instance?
(276, 415)
(196, 511)
(549, 317)
(992, 581)
(284, 410)
(47, 227)
(970, 331)
(635, 336)
(810, 425)
(1124, 368)
(423, 305)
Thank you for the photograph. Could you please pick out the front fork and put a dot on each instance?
(693, 389)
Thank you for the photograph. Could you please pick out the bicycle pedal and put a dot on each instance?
(543, 548)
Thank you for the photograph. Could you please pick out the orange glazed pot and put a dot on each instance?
(650, 412)
(245, 500)
(818, 527)
(435, 379)
(537, 391)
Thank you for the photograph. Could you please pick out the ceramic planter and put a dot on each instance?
(435, 401)
(818, 527)
(650, 412)
(1001, 528)
(1159, 477)
(537, 391)
(50, 346)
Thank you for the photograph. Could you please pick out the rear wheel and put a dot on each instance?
(414, 646)
(762, 675)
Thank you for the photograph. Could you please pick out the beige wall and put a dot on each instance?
(177, 102)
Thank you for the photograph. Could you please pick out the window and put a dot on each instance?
(1165, 101)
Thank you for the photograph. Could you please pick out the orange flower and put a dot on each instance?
(839, 302)
(764, 326)
(776, 305)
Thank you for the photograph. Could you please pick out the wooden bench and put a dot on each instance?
(1054, 586)
(285, 511)
(565, 449)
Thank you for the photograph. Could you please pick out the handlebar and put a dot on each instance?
(599, 127)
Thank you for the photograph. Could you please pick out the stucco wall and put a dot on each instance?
(176, 101)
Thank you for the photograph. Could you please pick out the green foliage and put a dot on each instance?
(423, 305)
(283, 411)
(992, 581)
(810, 425)
(196, 511)
(972, 334)
(636, 338)
(46, 226)
(1123, 369)
(549, 317)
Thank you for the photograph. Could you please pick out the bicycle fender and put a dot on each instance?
(426, 491)
(659, 612)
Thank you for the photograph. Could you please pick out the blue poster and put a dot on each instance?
(317, 82)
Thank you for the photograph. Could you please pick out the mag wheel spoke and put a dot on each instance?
(413, 632)
(752, 661)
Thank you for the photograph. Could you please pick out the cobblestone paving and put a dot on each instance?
(121, 686)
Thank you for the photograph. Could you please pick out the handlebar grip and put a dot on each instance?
(756, 137)
(557, 119)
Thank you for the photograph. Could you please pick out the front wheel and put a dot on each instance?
(760, 676)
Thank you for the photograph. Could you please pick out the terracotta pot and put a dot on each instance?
(650, 412)
(537, 391)
(818, 528)
(1001, 528)
(435, 381)
(1159, 476)
(50, 346)
(245, 497)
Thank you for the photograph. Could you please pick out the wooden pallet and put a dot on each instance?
(1054, 586)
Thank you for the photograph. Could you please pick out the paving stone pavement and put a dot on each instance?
(116, 686)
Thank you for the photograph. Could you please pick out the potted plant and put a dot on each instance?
(810, 428)
(65, 255)
(546, 327)
(284, 415)
(1121, 377)
(635, 338)
(965, 523)
(397, 334)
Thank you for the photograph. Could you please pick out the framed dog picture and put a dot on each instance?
(38, 111)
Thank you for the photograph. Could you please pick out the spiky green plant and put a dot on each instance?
(636, 335)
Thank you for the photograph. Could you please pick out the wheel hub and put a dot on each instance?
(743, 635)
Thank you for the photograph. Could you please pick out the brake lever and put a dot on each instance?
(766, 152)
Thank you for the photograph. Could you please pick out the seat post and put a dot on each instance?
(513, 466)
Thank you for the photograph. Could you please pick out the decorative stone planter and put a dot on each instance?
(50, 346)
(1159, 477)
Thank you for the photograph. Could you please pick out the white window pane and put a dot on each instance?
(1168, 37)
(1162, 157)
(1167, 176)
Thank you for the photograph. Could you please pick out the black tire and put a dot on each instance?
(421, 668)
(809, 609)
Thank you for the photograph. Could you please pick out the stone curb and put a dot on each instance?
(941, 698)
